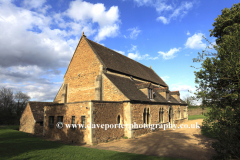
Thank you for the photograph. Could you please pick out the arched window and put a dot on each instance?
(179, 113)
(148, 115)
(118, 121)
(161, 115)
(144, 116)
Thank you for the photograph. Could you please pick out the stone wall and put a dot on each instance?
(68, 110)
(59, 94)
(94, 112)
(137, 115)
(111, 92)
(27, 122)
(107, 113)
(198, 111)
(81, 74)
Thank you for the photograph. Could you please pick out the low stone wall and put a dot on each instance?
(198, 111)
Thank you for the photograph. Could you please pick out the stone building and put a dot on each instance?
(102, 86)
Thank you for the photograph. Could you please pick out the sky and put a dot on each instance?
(38, 38)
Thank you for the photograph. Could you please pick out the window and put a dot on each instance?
(118, 121)
(161, 111)
(83, 121)
(148, 115)
(51, 121)
(144, 116)
(179, 113)
(73, 119)
(150, 93)
(59, 118)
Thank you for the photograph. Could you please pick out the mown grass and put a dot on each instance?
(18, 145)
(192, 117)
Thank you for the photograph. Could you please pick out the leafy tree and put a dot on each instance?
(219, 83)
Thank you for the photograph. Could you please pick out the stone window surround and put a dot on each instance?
(146, 116)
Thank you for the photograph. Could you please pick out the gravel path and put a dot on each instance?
(186, 143)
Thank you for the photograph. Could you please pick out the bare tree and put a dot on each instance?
(11, 105)
(6, 97)
(189, 100)
(21, 100)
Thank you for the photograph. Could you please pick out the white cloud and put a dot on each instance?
(96, 13)
(160, 6)
(167, 11)
(180, 11)
(165, 78)
(32, 50)
(133, 48)
(163, 19)
(121, 52)
(143, 2)
(134, 32)
(195, 42)
(134, 56)
(37, 5)
(188, 33)
(33, 3)
(107, 31)
(137, 56)
(181, 87)
(170, 53)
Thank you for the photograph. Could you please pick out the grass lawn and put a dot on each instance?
(196, 117)
(19, 145)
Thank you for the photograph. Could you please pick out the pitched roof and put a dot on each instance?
(159, 98)
(130, 89)
(127, 87)
(172, 99)
(115, 61)
(37, 109)
(183, 102)
(174, 93)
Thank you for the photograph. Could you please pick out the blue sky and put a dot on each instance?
(38, 38)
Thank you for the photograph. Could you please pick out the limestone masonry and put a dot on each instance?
(102, 86)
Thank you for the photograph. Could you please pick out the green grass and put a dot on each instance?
(18, 145)
(192, 117)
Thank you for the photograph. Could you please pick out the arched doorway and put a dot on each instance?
(170, 114)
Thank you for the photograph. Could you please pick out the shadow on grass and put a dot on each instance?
(20, 145)
(14, 143)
